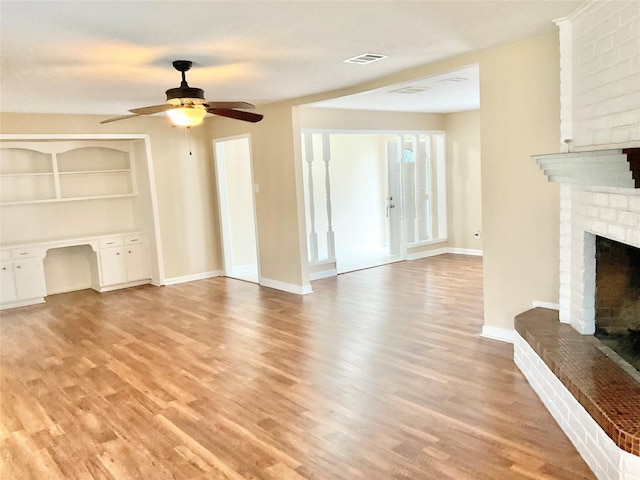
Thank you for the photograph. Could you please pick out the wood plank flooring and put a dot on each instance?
(379, 374)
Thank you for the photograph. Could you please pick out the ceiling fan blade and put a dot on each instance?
(121, 117)
(153, 109)
(237, 114)
(229, 105)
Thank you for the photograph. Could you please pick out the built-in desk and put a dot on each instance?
(122, 261)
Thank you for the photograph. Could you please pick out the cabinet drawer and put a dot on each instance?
(24, 253)
(134, 239)
(111, 242)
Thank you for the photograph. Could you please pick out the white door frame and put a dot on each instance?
(223, 203)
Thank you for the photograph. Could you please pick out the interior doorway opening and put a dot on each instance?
(234, 177)
(369, 196)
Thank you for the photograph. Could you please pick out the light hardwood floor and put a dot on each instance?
(380, 374)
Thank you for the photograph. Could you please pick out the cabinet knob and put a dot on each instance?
(4, 268)
(18, 266)
(117, 253)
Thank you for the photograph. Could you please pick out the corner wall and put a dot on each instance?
(277, 172)
(464, 169)
(520, 116)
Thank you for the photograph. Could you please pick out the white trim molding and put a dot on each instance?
(193, 278)
(286, 287)
(550, 306)
(496, 333)
(427, 254)
(323, 274)
(465, 251)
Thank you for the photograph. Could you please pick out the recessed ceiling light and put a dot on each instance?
(365, 58)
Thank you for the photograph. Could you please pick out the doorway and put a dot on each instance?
(234, 177)
(371, 196)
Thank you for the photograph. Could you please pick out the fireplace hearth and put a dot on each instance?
(617, 302)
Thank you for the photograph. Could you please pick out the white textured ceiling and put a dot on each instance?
(107, 57)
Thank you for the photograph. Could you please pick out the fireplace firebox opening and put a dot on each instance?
(617, 299)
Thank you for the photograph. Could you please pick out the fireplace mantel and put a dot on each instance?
(597, 168)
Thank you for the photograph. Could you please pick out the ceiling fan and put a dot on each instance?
(186, 106)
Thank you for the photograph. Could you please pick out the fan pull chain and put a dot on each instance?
(189, 139)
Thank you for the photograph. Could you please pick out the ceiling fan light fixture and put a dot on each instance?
(187, 116)
(186, 106)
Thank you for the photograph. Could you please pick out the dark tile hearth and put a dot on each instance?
(601, 386)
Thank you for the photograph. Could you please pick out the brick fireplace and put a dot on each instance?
(586, 212)
(595, 400)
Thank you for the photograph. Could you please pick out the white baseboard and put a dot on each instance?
(69, 288)
(194, 277)
(427, 253)
(465, 251)
(286, 287)
(442, 251)
(323, 274)
(245, 269)
(497, 333)
(552, 306)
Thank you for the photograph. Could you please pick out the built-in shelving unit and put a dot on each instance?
(33, 173)
(60, 192)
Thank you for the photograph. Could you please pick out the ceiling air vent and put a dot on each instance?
(365, 58)
(453, 80)
(409, 90)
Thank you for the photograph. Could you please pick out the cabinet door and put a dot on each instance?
(8, 284)
(112, 267)
(137, 262)
(29, 278)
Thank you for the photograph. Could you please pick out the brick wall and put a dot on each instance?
(599, 109)
(586, 212)
(600, 69)
(603, 456)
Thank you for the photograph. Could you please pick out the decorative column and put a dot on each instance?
(417, 193)
(403, 199)
(313, 236)
(326, 156)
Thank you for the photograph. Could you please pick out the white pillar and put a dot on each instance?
(313, 236)
(326, 156)
(417, 193)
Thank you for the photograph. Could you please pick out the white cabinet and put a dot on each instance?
(22, 280)
(7, 283)
(29, 277)
(136, 262)
(112, 267)
(123, 261)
